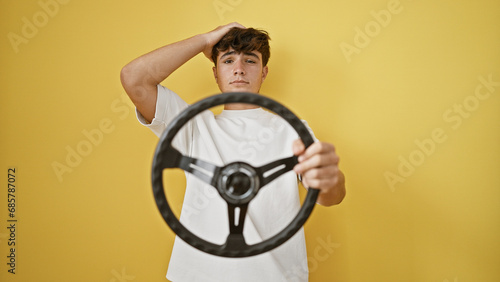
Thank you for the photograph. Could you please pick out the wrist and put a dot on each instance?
(203, 38)
(207, 44)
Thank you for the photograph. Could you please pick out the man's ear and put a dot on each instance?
(214, 69)
(265, 70)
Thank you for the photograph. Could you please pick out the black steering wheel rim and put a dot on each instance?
(233, 247)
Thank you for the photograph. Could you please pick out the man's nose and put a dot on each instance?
(238, 68)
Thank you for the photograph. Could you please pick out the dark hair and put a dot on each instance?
(244, 40)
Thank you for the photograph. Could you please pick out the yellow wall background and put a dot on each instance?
(408, 91)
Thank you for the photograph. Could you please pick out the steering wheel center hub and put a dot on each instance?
(238, 183)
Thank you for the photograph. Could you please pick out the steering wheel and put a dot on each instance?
(237, 183)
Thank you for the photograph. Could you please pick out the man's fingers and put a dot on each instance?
(236, 24)
(321, 177)
(321, 173)
(318, 148)
(316, 161)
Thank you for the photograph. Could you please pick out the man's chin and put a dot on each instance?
(241, 88)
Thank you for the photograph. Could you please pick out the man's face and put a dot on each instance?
(239, 72)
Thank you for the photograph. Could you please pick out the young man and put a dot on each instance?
(240, 58)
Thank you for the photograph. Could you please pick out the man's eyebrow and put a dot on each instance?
(251, 54)
(234, 52)
(228, 54)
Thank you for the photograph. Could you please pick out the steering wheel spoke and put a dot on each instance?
(203, 170)
(237, 215)
(235, 240)
(275, 169)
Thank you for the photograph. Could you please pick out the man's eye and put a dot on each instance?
(228, 61)
(250, 61)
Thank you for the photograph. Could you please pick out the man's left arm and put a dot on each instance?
(319, 167)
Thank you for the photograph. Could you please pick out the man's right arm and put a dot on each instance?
(141, 76)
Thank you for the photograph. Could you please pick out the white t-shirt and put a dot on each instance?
(256, 137)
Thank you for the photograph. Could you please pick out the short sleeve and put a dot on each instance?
(168, 106)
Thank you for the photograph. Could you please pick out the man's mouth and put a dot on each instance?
(238, 82)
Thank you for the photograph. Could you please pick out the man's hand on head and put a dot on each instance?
(214, 36)
(318, 166)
